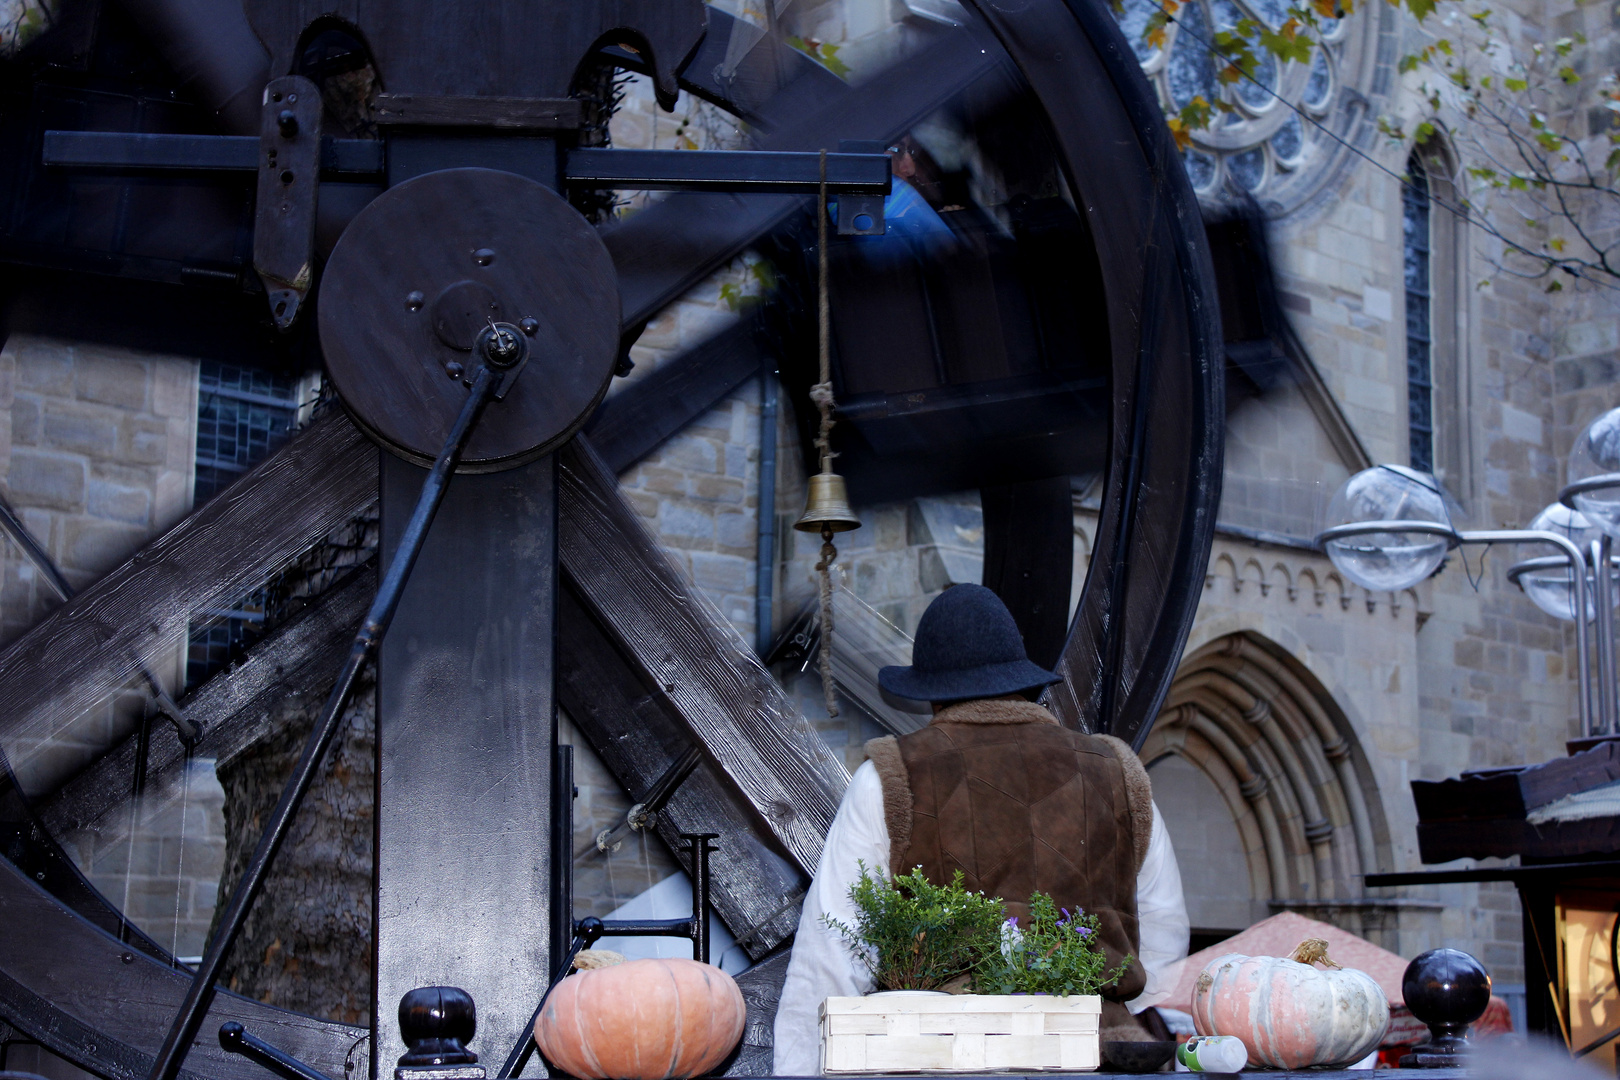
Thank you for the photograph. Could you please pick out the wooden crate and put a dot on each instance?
(964, 1033)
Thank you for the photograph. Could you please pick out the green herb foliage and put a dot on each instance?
(915, 935)
(1056, 953)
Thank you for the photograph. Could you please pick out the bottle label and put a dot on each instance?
(1213, 1053)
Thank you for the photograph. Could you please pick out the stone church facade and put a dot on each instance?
(1304, 705)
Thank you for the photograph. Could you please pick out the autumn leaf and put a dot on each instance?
(1557, 244)
(1421, 9)
(1179, 132)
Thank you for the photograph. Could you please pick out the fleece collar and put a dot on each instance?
(994, 711)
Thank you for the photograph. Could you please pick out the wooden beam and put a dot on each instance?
(80, 653)
(104, 1007)
(234, 709)
(682, 644)
(637, 733)
(638, 419)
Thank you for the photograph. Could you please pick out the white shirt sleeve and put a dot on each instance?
(822, 966)
(1161, 912)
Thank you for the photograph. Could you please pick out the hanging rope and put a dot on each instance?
(822, 395)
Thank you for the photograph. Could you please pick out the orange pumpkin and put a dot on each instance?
(642, 1020)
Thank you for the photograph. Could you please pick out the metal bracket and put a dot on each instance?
(644, 814)
(860, 215)
(289, 180)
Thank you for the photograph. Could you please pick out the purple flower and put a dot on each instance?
(1012, 920)
(1082, 931)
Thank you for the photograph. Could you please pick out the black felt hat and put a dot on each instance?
(967, 646)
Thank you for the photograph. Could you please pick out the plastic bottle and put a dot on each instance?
(1212, 1054)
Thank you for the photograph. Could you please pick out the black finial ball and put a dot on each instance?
(437, 1022)
(1446, 988)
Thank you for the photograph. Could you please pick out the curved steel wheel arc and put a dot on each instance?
(1161, 490)
(1163, 483)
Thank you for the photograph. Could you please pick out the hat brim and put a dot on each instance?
(988, 680)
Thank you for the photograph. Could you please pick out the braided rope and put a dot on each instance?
(822, 395)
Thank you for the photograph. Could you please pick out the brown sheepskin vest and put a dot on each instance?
(1000, 790)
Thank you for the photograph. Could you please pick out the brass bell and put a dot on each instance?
(827, 508)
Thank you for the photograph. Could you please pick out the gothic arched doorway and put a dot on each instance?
(1266, 793)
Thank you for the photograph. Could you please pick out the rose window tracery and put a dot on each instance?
(1271, 142)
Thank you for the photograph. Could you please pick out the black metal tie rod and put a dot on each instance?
(236, 1040)
(195, 1007)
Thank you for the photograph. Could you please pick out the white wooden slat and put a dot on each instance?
(960, 1034)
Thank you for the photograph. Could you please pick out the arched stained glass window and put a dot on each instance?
(1417, 249)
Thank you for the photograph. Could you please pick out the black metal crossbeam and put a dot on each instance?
(780, 173)
(637, 170)
(126, 151)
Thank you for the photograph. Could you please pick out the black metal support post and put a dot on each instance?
(236, 1040)
(562, 852)
(698, 844)
(589, 930)
(201, 994)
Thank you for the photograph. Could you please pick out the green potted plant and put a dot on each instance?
(1035, 1005)
(915, 935)
(1055, 952)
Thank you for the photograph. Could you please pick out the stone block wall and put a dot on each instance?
(162, 870)
(96, 452)
(96, 449)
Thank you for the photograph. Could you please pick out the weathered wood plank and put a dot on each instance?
(761, 987)
(532, 114)
(634, 422)
(84, 649)
(105, 1008)
(636, 732)
(234, 708)
(742, 716)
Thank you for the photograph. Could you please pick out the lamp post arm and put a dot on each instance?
(1577, 562)
(1603, 620)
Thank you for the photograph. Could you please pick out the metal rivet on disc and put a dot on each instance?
(415, 300)
(484, 256)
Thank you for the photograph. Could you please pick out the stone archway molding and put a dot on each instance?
(1287, 763)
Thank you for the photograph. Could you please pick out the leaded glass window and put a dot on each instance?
(1284, 124)
(242, 415)
(1417, 248)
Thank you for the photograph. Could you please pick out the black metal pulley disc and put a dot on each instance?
(429, 266)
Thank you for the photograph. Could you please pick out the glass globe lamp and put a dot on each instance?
(1594, 473)
(1548, 582)
(1393, 558)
